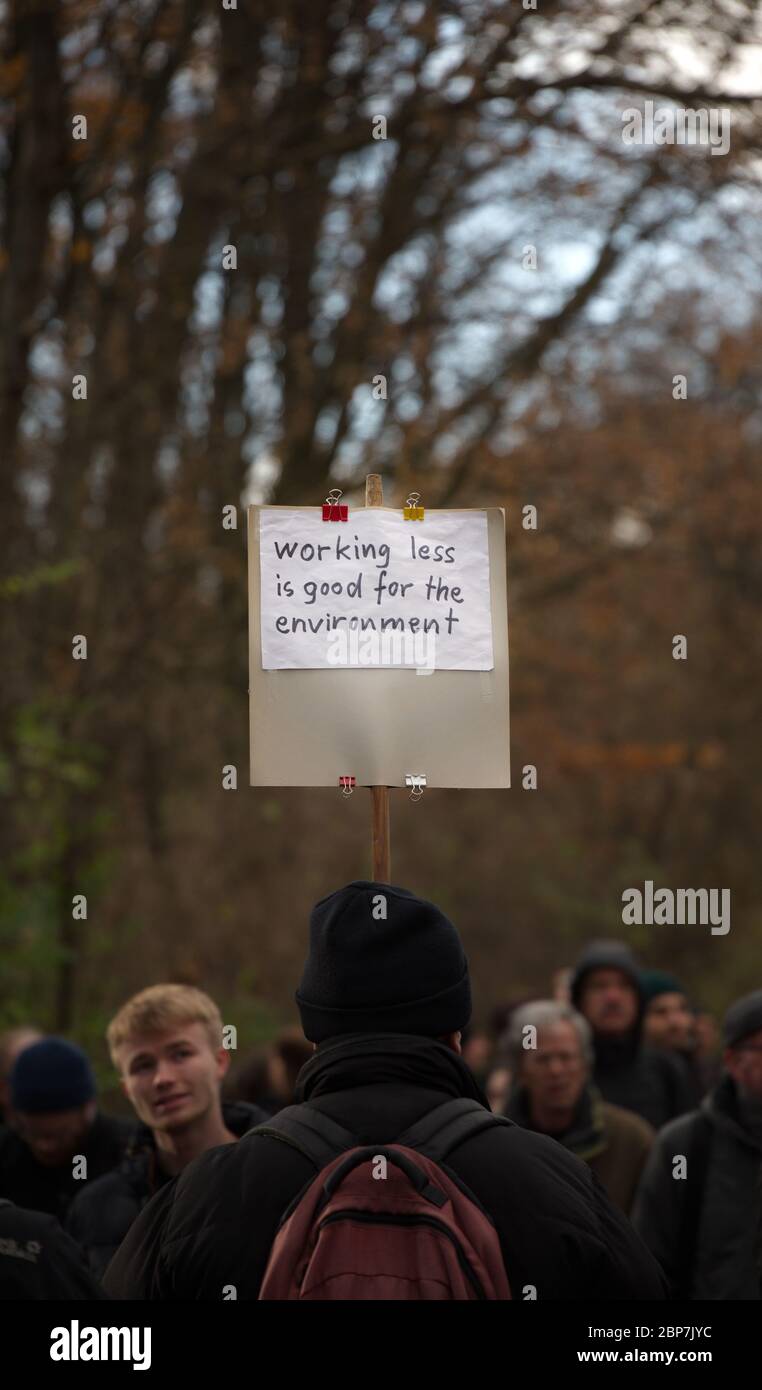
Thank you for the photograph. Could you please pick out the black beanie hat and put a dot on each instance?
(404, 972)
(742, 1018)
(49, 1076)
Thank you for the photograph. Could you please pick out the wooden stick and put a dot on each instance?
(382, 869)
(381, 845)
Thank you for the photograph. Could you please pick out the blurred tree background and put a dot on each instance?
(398, 247)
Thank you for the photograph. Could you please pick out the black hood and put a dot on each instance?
(611, 955)
(367, 1059)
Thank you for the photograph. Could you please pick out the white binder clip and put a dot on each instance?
(417, 781)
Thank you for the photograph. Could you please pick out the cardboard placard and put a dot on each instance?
(328, 699)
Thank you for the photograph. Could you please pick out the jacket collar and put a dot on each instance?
(367, 1059)
(614, 1052)
(586, 1136)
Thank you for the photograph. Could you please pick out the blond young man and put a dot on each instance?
(166, 1044)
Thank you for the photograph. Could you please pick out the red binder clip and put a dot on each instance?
(347, 785)
(332, 511)
(412, 511)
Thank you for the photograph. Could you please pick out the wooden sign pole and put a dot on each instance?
(374, 497)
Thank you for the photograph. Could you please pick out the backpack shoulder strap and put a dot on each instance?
(315, 1135)
(448, 1126)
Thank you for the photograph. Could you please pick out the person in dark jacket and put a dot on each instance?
(384, 995)
(606, 989)
(166, 1043)
(668, 1023)
(39, 1261)
(700, 1204)
(551, 1050)
(59, 1139)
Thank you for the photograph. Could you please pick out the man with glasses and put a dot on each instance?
(700, 1204)
(550, 1047)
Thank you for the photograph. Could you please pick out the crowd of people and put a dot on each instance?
(603, 1141)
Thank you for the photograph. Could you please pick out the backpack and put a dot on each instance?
(384, 1221)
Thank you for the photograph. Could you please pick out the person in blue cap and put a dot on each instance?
(59, 1139)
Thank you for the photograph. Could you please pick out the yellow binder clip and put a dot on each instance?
(412, 511)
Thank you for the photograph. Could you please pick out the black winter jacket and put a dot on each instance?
(213, 1226)
(102, 1214)
(52, 1190)
(651, 1083)
(38, 1260)
(706, 1228)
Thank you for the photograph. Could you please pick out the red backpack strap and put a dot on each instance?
(416, 1176)
(315, 1135)
(448, 1126)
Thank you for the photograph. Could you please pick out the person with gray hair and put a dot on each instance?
(549, 1047)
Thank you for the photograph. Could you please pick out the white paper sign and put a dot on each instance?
(375, 590)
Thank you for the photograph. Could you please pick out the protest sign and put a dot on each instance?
(377, 591)
(329, 699)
